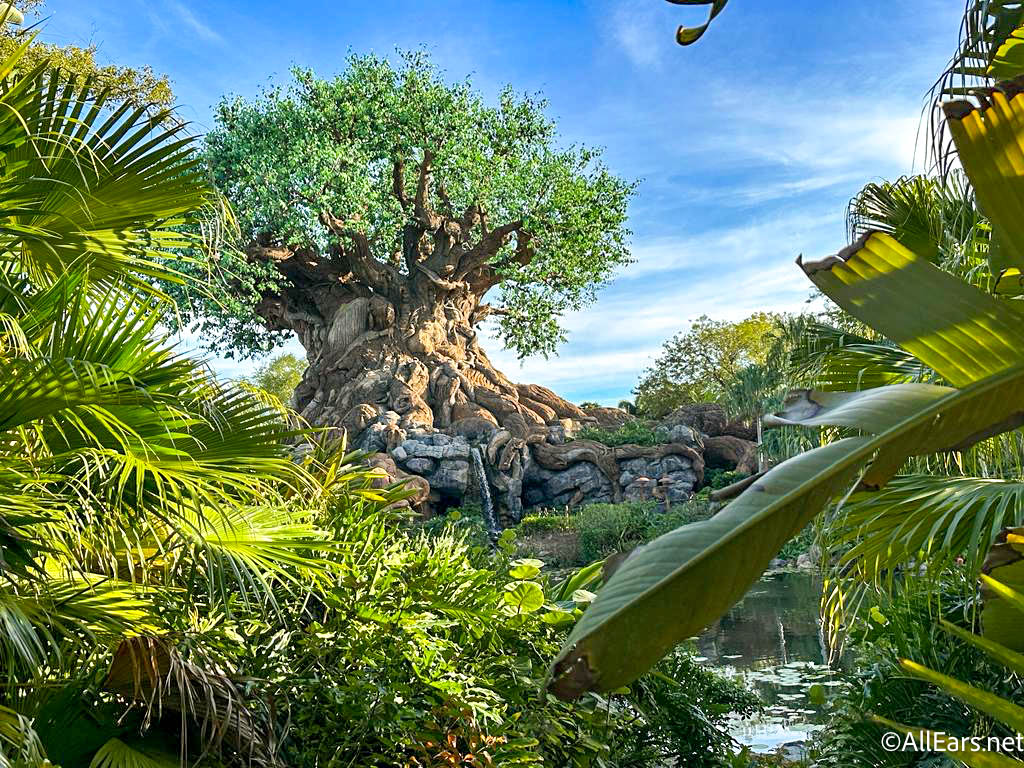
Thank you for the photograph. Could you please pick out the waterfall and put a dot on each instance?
(490, 516)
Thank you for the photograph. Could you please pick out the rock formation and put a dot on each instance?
(542, 466)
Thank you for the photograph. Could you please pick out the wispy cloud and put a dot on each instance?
(202, 30)
(765, 239)
(639, 29)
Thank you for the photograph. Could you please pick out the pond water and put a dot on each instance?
(772, 640)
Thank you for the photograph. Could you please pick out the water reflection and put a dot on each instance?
(772, 639)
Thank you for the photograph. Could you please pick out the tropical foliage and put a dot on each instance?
(928, 381)
(279, 376)
(141, 499)
(705, 362)
(179, 583)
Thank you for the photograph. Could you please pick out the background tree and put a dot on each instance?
(279, 376)
(702, 364)
(376, 210)
(139, 86)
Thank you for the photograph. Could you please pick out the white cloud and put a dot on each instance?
(201, 29)
(635, 27)
(612, 342)
(765, 239)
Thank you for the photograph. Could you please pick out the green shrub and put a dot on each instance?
(468, 521)
(427, 645)
(664, 737)
(631, 433)
(720, 478)
(546, 523)
(602, 529)
(608, 528)
(418, 649)
(660, 522)
(799, 544)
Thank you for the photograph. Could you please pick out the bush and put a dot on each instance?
(598, 530)
(667, 738)
(468, 521)
(430, 651)
(418, 652)
(608, 528)
(721, 478)
(631, 433)
(546, 523)
(904, 624)
(696, 509)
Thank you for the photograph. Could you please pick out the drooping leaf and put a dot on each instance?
(1002, 585)
(673, 587)
(689, 35)
(1008, 61)
(955, 329)
(990, 144)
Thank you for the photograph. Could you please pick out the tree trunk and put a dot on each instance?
(392, 347)
(421, 362)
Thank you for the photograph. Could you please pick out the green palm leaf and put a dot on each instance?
(671, 588)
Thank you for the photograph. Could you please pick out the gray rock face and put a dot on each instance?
(670, 477)
(436, 446)
(451, 478)
(582, 483)
(524, 470)
(419, 466)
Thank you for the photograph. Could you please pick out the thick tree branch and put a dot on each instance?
(440, 282)
(376, 274)
(398, 182)
(427, 217)
(273, 254)
(488, 247)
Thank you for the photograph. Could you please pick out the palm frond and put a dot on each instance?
(834, 360)
(120, 754)
(36, 616)
(155, 675)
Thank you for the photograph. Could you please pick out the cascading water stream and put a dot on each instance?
(490, 516)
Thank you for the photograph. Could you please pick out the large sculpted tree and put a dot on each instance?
(384, 214)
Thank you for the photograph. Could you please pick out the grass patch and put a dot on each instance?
(565, 539)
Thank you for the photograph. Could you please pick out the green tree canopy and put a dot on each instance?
(279, 376)
(703, 363)
(139, 86)
(387, 180)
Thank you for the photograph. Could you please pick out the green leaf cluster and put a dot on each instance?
(703, 364)
(344, 145)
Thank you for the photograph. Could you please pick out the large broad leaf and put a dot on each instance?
(676, 585)
(673, 587)
(990, 143)
(1002, 582)
(958, 331)
(1008, 61)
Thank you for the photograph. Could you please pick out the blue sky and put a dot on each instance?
(748, 145)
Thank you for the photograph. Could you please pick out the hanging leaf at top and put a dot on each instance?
(689, 35)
